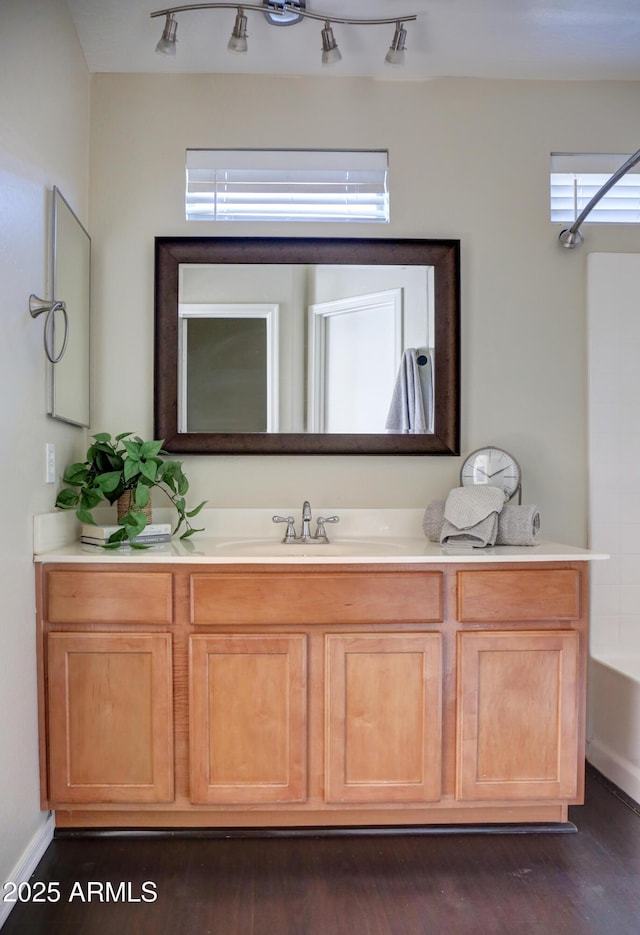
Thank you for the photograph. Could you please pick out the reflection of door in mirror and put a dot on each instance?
(71, 262)
(354, 348)
(228, 368)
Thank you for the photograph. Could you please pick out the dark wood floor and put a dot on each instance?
(514, 884)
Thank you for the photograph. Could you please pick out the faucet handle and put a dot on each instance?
(290, 533)
(320, 530)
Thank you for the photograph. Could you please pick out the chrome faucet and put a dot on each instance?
(305, 536)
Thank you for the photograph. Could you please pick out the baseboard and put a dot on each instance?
(29, 861)
(618, 769)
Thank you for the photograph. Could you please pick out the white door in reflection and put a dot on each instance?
(354, 349)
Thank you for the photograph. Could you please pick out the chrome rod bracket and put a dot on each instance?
(572, 237)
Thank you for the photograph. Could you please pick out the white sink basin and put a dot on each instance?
(346, 547)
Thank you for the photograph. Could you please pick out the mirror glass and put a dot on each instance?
(306, 345)
(71, 265)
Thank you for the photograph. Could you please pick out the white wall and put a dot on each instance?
(468, 159)
(44, 118)
(614, 523)
(614, 450)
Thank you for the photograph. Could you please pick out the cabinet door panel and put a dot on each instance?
(383, 718)
(517, 715)
(248, 718)
(110, 717)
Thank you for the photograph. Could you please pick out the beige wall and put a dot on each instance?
(468, 159)
(44, 121)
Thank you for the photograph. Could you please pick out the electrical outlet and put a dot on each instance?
(50, 463)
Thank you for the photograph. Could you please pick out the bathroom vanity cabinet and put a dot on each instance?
(238, 695)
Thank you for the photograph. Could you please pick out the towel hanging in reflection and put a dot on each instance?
(411, 408)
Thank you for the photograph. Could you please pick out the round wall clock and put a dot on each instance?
(493, 467)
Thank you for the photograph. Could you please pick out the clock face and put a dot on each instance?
(492, 467)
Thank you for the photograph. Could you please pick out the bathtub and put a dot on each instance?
(613, 719)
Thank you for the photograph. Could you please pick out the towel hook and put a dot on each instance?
(37, 307)
(422, 356)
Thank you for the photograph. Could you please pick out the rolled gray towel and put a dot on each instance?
(479, 535)
(518, 524)
(433, 520)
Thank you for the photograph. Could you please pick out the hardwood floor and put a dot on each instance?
(499, 884)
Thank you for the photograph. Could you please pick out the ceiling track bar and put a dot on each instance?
(300, 12)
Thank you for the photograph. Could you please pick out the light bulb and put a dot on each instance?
(167, 43)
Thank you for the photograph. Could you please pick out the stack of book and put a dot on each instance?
(152, 533)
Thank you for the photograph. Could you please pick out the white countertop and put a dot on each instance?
(248, 537)
(212, 551)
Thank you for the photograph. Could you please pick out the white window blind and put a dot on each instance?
(287, 185)
(576, 177)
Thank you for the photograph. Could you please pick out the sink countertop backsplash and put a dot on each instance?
(56, 529)
(56, 538)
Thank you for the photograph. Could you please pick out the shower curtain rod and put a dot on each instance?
(572, 237)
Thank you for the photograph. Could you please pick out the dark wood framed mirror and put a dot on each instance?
(266, 345)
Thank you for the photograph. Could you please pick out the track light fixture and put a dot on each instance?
(330, 50)
(238, 40)
(285, 13)
(167, 43)
(395, 55)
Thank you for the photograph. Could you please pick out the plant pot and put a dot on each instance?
(125, 503)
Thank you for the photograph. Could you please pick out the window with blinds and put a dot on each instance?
(287, 185)
(576, 177)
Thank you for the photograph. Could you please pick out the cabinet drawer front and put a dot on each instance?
(108, 597)
(544, 594)
(391, 597)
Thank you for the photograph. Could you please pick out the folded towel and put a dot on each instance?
(518, 524)
(412, 397)
(479, 535)
(467, 506)
(433, 520)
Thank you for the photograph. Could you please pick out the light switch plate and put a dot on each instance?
(50, 463)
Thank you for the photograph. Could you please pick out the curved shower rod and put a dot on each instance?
(572, 237)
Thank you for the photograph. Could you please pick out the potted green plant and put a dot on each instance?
(126, 467)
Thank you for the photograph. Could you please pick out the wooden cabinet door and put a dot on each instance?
(110, 717)
(248, 718)
(517, 715)
(383, 718)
